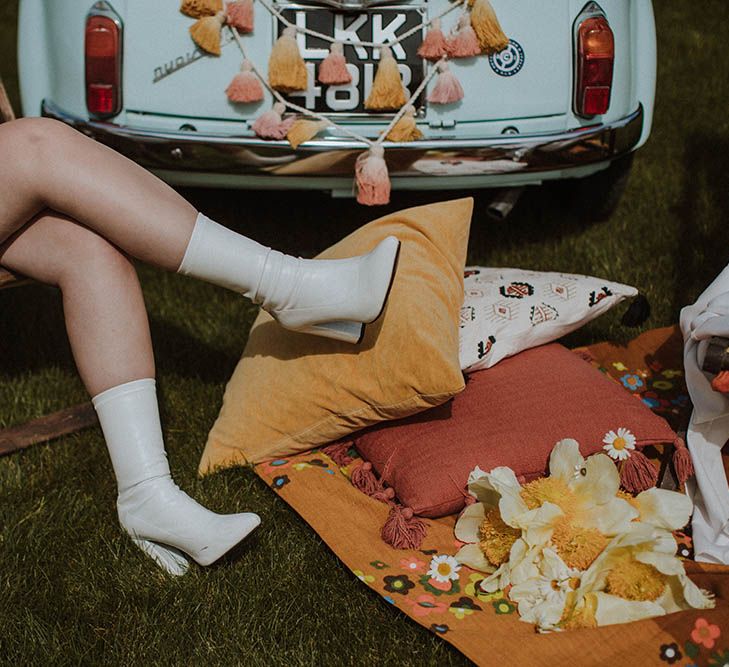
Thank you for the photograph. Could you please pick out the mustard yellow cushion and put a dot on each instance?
(291, 391)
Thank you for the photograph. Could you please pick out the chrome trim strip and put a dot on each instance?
(334, 156)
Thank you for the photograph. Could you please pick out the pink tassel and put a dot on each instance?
(337, 452)
(402, 530)
(637, 473)
(372, 181)
(363, 479)
(447, 88)
(239, 14)
(464, 43)
(682, 463)
(245, 86)
(385, 495)
(270, 125)
(333, 70)
(434, 45)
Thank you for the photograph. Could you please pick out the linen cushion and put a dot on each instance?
(291, 391)
(509, 415)
(506, 311)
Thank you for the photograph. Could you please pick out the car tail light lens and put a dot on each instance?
(595, 59)
(103, 66)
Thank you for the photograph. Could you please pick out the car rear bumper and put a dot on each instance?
(184, 156)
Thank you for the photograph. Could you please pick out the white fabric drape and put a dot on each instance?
(708, 429)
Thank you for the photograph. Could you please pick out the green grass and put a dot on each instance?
(74, 590)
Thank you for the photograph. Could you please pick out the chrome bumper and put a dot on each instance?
(181, 152)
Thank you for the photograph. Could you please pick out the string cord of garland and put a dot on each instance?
(477, 31)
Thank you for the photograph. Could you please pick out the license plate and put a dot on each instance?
(376, 25)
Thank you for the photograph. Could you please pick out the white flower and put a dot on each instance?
(541, 599)
(444, 568)
(617, 445)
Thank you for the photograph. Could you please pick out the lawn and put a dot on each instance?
(73, 588)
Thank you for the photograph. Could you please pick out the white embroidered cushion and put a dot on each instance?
(506, 311)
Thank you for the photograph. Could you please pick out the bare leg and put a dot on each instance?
(46, 165)
(102, 302)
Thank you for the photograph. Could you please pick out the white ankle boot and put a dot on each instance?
(161, 519)
(332, 298)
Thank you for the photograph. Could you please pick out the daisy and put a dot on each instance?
(444, 568)
(618, 444)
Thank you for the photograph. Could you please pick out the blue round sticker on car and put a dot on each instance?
(509, 61)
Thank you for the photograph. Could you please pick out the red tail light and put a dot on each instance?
(595, 59)
(103, 66)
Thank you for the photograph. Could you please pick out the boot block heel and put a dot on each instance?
(168, 558)
(349, 332)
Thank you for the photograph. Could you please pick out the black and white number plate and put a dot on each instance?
(377, 25)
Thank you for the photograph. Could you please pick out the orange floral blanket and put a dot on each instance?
(484, 625)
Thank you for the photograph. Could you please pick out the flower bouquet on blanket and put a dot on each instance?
(573, 550)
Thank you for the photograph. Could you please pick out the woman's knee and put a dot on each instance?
(31, 140)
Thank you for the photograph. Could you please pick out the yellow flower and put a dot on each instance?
(639, 576)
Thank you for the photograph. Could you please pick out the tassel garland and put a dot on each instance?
(199, 8)
(463, 43)
(286, 68)
(304, 130)
(270, 125)
(487, 27)
(239, 15)
(372, 182)
(402, 530)
(245, 86)
(205, 32)
(447, 89)
(405, 129)
(333, 70)
(637, 473)
(387, 91)
(434, 45)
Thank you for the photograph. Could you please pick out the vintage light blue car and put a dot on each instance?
(572, 95)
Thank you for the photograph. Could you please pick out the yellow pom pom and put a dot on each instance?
(304, 130)
(286, 68)
(405, 129)
(387, 90)
(206, 32)
(487, 27)
(199, 8)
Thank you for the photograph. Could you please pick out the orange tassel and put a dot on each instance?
(304, 130)
(239, 15)
(372, 182)
(405, 129)
(464, 43)
(199, 8)
(637, 473)
(333, 70)
(447, 89)
(487, 27)
(387, 90)
(205, 32)
(286, 68)
(682, 463)
(271, 125)
(434, 45)
(245, 86)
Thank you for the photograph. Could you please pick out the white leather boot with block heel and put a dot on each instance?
(333, 298)
(162, 520)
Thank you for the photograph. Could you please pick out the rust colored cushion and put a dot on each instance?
(509, 415)
(292, 391)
